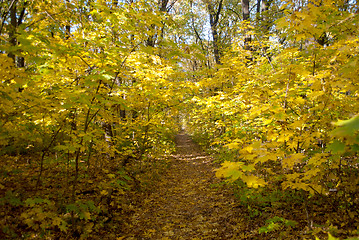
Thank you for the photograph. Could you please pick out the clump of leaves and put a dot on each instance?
(277, 223)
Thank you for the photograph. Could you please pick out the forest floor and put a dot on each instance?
(177, 198)
(188, 202)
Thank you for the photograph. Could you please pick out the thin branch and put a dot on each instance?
(197, 34)
(22, 14)
(171, 5)
(218, 12)
(45, 150)
(238, 15)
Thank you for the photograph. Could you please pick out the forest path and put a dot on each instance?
(185, 205)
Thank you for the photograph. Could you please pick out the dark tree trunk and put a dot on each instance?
(67, 28)
(15, 21)
(21, 60)
(215, 41)
(258, 7)
(152, 40)
(12, 31)
(213, 21)
(163, 5)
(245, 9)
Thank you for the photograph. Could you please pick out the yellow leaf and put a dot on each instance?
(253, 181)
(104, 192)
(293, 159)
(248, 149)
(232, 145)
(300, 100)
(229, 170)
(87, 215)
(283, 138)
(268, 121)
(111, 175)
(41, 216)
(317, 159)
(315, 94)
(266, 157)
(256, 145)
(297, 124)
(250, 157)
(56, 221)
(282, 23)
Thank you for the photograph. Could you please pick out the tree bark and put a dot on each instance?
(163, 5)
(259, 6)
(245, 9)
(213, 21)
(151, 40)
(15, 22)
(12, 31)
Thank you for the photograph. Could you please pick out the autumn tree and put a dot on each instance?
(271, 87)
(12, 16)
(86, 63)
(280, 106)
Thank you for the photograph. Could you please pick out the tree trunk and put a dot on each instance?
(151, 40)
(163, 5)
(259, 7)
(213, 21)
(67, 28)
(245, 9)
(15, 21)
(12, 31)
(215, 40)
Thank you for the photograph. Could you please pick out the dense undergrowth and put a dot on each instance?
(283, 122)
(104, 199)
(92, 93)
(85, 116)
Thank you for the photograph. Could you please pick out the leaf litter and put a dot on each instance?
(188, 202)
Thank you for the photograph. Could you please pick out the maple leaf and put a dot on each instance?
(253, 181)
(229, 170)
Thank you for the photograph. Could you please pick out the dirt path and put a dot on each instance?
(185, 205)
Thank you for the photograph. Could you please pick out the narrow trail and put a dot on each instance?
(185, 205)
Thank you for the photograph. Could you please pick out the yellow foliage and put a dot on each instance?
(229, 170)
(253, 181)
(280, 109)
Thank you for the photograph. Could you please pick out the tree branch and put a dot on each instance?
(216, 19)
(5, 14)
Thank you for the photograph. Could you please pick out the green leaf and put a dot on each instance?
(107, 76)
(85, 215)
(63, 226)
(72, 208)
(330, 237)
(229, 170)
(354, 122)
(355, 147)
(248, 168)
(346, 127)
(336, 147)
(12, 199)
